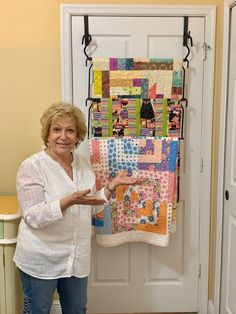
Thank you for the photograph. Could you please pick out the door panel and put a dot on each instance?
(138, 277)
(228, 286)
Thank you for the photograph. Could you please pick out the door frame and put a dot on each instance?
(67, 11)
(228, 4)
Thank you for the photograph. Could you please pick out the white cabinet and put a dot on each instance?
(10, 288)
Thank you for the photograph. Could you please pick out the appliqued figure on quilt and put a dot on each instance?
(143, 212)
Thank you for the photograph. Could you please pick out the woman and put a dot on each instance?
(57, 195)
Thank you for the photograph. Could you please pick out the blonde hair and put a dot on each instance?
(60, 110)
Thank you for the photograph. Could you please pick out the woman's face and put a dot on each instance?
(62, 136)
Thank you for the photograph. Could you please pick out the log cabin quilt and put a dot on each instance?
(145, 78)
(141, 213)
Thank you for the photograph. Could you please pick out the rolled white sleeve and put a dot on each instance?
(36, 212)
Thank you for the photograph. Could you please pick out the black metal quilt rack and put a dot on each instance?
(187, 42)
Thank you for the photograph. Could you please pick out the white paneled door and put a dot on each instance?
(137, 277)
(228, 287)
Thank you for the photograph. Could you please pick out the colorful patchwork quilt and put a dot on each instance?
(137, 78)
(133, 117)
(141, 213)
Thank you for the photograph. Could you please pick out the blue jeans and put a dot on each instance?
(38, 294)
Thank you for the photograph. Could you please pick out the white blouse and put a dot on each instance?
(51, 243)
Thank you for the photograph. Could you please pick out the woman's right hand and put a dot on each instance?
(81, 197)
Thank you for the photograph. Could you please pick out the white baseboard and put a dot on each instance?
(211, 309)
(56, 308)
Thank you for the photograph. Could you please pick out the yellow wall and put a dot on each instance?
(30, 81)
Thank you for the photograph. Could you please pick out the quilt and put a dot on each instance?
(141, 213)
(118, 117)
(137, 78)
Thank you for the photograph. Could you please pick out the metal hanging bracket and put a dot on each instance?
(187, 42)
(186, 38)
(86, 39)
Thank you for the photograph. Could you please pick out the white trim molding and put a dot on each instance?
(228, 4)
(209, 13)
(8, 241)
(10, 216)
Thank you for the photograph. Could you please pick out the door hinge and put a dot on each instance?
(199, 270)
(205, 47)
(201, 165)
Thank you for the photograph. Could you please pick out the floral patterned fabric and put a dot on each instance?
(144, 212)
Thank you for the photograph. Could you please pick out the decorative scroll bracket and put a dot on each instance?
(86, 39)
(186, 38)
